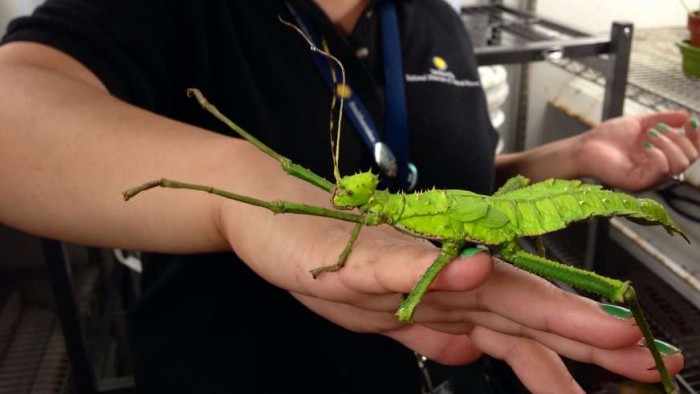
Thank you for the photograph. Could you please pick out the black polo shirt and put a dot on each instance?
(207, 323)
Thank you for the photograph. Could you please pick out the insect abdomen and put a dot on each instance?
(551, 205)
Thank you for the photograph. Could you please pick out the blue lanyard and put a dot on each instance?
(392, 156)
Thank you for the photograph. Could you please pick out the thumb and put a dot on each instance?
(400, 274)
(466, 272)
(392, 263)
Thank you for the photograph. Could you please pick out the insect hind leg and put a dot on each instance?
(630, 298)
(514, 183)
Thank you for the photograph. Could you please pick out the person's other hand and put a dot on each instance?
(638, 152)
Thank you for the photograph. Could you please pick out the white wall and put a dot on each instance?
(595, 16)
(9, 9)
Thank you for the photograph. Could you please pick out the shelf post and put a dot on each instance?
(613, 106)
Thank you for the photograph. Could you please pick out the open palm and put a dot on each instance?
(638, 152)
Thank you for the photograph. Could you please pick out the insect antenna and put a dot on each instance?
(339, 91)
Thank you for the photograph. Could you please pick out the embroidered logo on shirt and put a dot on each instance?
(440, 73)
(439, 63)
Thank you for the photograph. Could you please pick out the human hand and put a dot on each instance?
(505, 312)
(474, 307)
(638, 152)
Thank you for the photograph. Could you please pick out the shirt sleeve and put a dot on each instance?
(130, 45)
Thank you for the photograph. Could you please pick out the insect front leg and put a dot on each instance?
(277, 206)
(448, 252)
(287, 165)
(343, 256)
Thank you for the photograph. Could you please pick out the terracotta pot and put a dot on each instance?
(694, 28)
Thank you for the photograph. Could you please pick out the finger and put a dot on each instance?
(657, 167)
(380, 268)
(349, 316)
(671, 118)
(678, 137)
(676, 159)
(438, 346)
(634, 362)
(692, 132)
(444, 348)
(538, 368)
(532, 302)
(375, 247)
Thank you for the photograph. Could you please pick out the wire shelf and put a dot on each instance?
(655, 78)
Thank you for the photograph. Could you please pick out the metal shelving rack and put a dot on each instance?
(647, 74)
(504, 35)
(655, 80)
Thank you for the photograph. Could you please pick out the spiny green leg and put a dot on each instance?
(630, 298)
(277, 206)
(448, 253)
(609, 288)
(343, 256)
(612, 289)
(287, 165)
(514, 183)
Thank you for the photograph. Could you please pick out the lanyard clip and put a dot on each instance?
(385, 159)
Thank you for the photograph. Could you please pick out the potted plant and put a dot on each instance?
(690, 49)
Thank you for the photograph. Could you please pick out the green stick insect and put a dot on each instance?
(458, 217)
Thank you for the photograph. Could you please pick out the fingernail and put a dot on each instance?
(694, 123)
(653, 133)
(472, 251)
(616, 311)
(662, 127)
(665, 348)
(648, 145)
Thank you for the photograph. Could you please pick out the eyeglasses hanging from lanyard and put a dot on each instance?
(390, 155)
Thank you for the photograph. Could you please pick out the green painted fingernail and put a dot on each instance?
(648, 145)
(653, 133)
(616, 311)
(694, 123)
(472, 251)
(663, 127)
(665, 348)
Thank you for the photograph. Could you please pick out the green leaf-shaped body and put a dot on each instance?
(532, 210)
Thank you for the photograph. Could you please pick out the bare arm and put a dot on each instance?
(553, 160)
(635, 152)
(68, 148)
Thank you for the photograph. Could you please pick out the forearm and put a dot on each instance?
(68, 149)
(553, 160)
